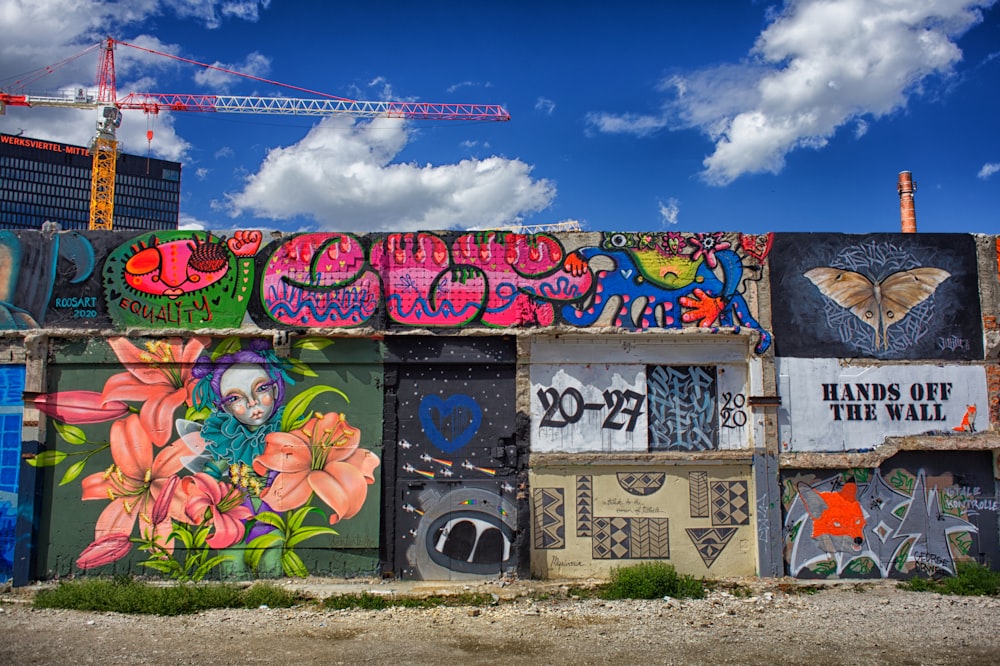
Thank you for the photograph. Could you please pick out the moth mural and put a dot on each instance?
(224, 460)
(885, 296)
(878, 304)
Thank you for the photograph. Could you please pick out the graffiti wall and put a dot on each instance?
(830, 406)
(587, 520)
(455, 508)
(627, 395)
(196, 280)
(885, 296)
(218, 458)
(917, 514)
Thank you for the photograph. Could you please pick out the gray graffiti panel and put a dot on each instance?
(682, 408)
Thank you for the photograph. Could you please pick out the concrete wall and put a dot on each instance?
(465, 405)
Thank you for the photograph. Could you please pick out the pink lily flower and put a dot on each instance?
(322, 457)
(105, 550)
(134, 482)
(219, 502)
(79, 407)
(159, 376)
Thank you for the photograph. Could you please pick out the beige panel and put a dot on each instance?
(587, 520)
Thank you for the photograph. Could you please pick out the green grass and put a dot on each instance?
(652, 580)
(971, 579)
(124, 595)
(369, 601)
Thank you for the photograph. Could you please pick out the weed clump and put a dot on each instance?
(125, 595)
(369, 601)
(652, 580)
(971, 579)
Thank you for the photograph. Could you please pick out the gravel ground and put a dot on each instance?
(768, 623)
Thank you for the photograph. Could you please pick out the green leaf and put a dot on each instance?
(193, 414)
(313, 343)
(47, 458)
(72, 472)
(201, 571)
(295, 518)
(293, 564)
(259, 546)
(297, 406)
(71, 433)
(272, 519)
(308, 533)
(161, 566)
(227, 346)
(183, 534)
(301, 368)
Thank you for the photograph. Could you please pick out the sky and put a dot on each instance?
(625, 116)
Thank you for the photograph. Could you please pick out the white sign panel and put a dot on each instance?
(826, 406)
(594, 407)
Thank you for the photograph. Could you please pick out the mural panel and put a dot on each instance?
(200, 280)
(181, 279)
(886, 296)
(457, 460)
(203, 458)
(827, 406)
(11, 406)
(586, 521)
(917, 514)
(607, 405)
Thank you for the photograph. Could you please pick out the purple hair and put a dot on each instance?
(209, 372)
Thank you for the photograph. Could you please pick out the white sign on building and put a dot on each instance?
(829, 406)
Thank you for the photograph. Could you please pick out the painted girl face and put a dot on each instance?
(248, 394)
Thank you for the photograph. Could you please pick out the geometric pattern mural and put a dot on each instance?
(641, 483)
(698, 489)
(730, 503)
(630, 537)
(584, 505)
(550, 518)
(709, 541)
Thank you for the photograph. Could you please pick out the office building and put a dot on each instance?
(47, 181)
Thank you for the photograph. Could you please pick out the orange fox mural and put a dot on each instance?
(838, 521)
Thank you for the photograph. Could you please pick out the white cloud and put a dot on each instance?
(628, 123)
(545, 105)
(468, 84)
(342, 176)
(819, 65)
(217, 81)
(988, 170)
(669, 211)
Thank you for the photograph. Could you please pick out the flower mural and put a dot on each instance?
(215, 459)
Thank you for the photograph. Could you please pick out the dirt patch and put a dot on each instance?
(871, 624)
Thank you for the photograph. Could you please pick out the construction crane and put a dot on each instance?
(104, 147)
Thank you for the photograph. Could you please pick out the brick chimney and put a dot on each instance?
(907, 212)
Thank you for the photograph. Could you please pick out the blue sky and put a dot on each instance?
(689, 116)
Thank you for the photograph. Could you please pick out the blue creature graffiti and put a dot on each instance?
(665, 281)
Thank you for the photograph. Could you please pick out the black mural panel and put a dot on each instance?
(455, 456)
(886, 296)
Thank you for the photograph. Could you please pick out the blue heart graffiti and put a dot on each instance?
(450, 424)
